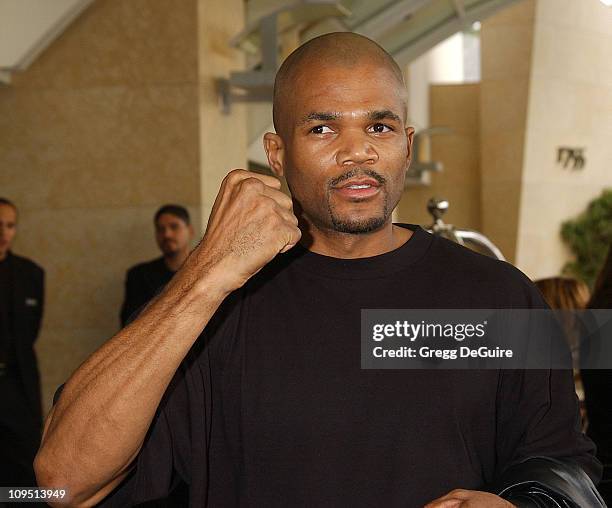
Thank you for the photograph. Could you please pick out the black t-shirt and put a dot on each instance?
(142, 283)
(7, 348)
(271, 408)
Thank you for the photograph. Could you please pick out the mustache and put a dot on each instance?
(357, 172)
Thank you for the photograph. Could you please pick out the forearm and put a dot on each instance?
(98, 425)
(102, 417)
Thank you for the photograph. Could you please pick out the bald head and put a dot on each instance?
(341, 51)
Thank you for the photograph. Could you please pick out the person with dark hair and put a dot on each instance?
(598, 386)
(175, 210)
(21, 310)
(566, 294)
(173, 233)
(243, 378)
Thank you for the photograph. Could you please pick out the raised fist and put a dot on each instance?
(250, 223)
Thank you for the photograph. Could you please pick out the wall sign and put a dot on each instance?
(571, 156)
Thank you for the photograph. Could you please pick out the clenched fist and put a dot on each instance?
(250, 223)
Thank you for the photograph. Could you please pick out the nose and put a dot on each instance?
(162, 236)
(356, 148)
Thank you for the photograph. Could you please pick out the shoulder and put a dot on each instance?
(146, 267)
(451, 254)
(484, 274)
(27, 265)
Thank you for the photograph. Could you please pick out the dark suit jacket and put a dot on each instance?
(28, 302)
(141, 284)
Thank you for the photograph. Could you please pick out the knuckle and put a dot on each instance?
(293, 231)
(234, 176)
(287, 202)
(276, 220)
(251, 184)
(267, 205)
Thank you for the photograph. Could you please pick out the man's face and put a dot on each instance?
(8, 228)
(172, 234)
(347, 147)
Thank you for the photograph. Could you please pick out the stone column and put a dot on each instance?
(570, 105)
(504, 91)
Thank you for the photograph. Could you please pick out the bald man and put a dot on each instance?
(242, 379)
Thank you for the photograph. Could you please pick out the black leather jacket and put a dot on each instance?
(544, 482)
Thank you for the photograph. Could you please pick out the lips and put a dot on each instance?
(358, 188)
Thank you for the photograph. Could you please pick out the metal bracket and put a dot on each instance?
(257, 85)
(418, 169)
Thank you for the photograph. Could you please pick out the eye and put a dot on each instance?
(321, 129)
(380, 128)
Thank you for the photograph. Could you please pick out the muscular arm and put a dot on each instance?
(102, 417)
(98, 426)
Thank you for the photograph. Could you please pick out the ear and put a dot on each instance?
(409, 139)
(191, 232)
(275, 150)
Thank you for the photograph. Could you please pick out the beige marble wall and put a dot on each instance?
(457, 107)
(223, 137)
(506, 46)
(94, 136)
(570, 104)
(546, 82)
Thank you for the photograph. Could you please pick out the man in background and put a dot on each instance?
(21, 309)
(173, 233)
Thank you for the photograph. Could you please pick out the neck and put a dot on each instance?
(350, 246)
(3, 255)
(175, 260)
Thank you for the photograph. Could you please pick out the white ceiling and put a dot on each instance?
(27, 27)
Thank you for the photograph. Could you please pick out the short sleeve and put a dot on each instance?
(538, 412)
(165, 455)
(538, 417)
(177, 444)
